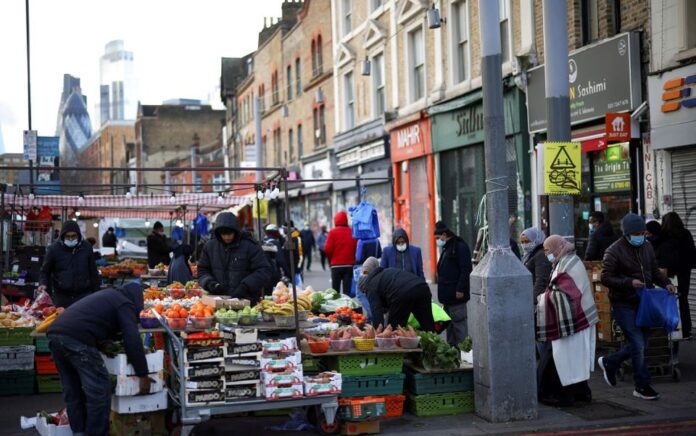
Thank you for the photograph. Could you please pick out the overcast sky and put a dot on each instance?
(176, 44)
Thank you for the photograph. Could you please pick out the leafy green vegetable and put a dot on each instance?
(466, 344)
(438, 354)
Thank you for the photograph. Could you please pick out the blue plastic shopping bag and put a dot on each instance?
(658, 308)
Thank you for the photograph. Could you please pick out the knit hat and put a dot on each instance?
(370, 264)
(632, 223)
(158, 225)
(440, 228)
(653, 227)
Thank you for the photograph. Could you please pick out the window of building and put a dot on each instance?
(688, 26)
(460, 41)
(300, 142)
(590, 21)
(319, 118)
(262, 93)
(347, 17)
(375, 4)
(219, 183)
(417, 61)
(349, 100)
(314, 57)
(504, 30)
(288, 82)
(291, 144)
(298, 78)
(277, 146)
(275, 88)
(317, 58)
(378, 84)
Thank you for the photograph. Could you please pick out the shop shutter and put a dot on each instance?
(684, 201)
(420, 232)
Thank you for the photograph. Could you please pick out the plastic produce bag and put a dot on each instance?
(658, 308)
(439, 316)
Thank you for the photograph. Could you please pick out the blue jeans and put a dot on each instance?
(86, 385)
(637, 338)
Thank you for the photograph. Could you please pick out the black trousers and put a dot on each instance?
(418, 302)
(322, 255)
(308, 259)
(342, 275)
(550, 388)
(684, 278)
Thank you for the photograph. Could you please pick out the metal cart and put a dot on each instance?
(187, 416)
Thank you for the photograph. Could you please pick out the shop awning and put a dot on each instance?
(316, 189)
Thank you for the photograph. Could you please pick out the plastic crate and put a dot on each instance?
(310, 364)
(45, 365)
(16, 336)
(452, 403)
(16, 382)
(48, 384)
(362, 409)
(439, 383)
(369, 364)
(394, 405)
(42, 344)
(372, 385)
(17, 358)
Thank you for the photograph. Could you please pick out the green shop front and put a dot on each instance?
(457, 141)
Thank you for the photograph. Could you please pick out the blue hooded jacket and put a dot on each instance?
(390, 255)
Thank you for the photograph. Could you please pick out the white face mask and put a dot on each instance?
(401, 247)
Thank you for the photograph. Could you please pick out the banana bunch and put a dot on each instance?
(304, 302)
(269, 306)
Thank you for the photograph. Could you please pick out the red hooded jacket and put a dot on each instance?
(340, 245)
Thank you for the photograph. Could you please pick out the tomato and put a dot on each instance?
(215, 334)
(183, 313)
(176, 306)
(159, 308)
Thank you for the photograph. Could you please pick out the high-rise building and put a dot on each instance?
(74, 126)
(117, 86)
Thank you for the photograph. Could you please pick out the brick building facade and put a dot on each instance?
(108, 147)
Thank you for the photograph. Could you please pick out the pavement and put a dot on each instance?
(614, 411)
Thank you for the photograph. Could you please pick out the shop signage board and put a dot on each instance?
(562, 168)
(319, 169)
(410, 141)
(648, 175)
(47, 164)
(673, 107)
(30, 140)
(612, 170)
(618, 127)
(603, 77)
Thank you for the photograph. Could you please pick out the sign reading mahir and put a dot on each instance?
(562, 168)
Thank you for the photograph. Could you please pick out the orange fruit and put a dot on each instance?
(159, 308)
(183, 313)
(176, 306)
(208, 312)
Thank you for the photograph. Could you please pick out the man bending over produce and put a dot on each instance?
(397, 292)
(73, 339)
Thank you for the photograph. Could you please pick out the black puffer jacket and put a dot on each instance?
(386, 287)
(104, 315)
(599, 241)
(70, 271)
(622, 264)
(239, 269)
(453, 271)
(541, 268)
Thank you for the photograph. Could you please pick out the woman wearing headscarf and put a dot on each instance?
(179, 268)
(532, 243)
(566, 317)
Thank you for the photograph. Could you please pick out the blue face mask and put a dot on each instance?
(440, 243)
(592, 228)
(637, 241)
(551, 257)
(71, 243)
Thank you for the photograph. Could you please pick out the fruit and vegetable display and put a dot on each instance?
(246, 316)
(9, 319)
(124, 268)
(438, 354)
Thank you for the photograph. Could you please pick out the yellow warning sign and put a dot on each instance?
(562, 168)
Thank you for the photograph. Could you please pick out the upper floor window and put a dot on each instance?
(590, 21)
(319, 117)
(288, 82)
(375, 4)
(504, 30)
(317, 57)
(349, 99)
(275, 88)
(300, 141)
(262, 100)
(291, 145)
(460, 41)
(416, 53)
(347, 16)
(378, 83)
(298, 78)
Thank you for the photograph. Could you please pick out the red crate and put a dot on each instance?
(45, 365)
(395, 405)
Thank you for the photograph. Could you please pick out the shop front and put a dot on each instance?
(362, 160)
(317, 192)
(605, 108)
(457, 141)
(673, 138)
(414, 187)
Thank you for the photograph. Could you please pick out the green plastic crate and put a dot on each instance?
(42, 344)
(310, 364)
(369, 364)
(439, 383)
(16, 336)
(372, 385)
(452, 403)
(17, 382)
(48, 384)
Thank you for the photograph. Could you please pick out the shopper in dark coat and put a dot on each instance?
(602, 235)
(397, 292)
(69, 269)
(403, 255)
(532, 242)
(158, 247)
(179, 268)
(74, 338)
(233, 264)
(453, 271)
(109, 238)
(629, 264)
(340, 249)
(321, 244)
(677, 253)
(308, 243)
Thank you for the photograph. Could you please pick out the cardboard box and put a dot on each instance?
(287, 378)
(598, 287)
(280, 365)
(288, 345)
(210, 384)
(127, 385)
(322, 384)
(204, 371)
(218, 301)
(139, 424)
(208, 397)
(246, 335)
(204, 354)
(139, 403)
(238, 350)
(232, 378)
(243, 392)
(278, 393)
(119, 365)
(46, 429)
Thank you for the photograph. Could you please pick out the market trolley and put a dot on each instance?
(187, 416)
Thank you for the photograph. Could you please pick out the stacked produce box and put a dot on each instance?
(242, 366)
(126, 384)
(608, 332)
(16, 354)
(281, 369)
(47, 378)
(204, 368)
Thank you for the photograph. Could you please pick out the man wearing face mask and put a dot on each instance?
(601, 236)
(453, 271)
(402, 255)
(630, 264)
(69, 268)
